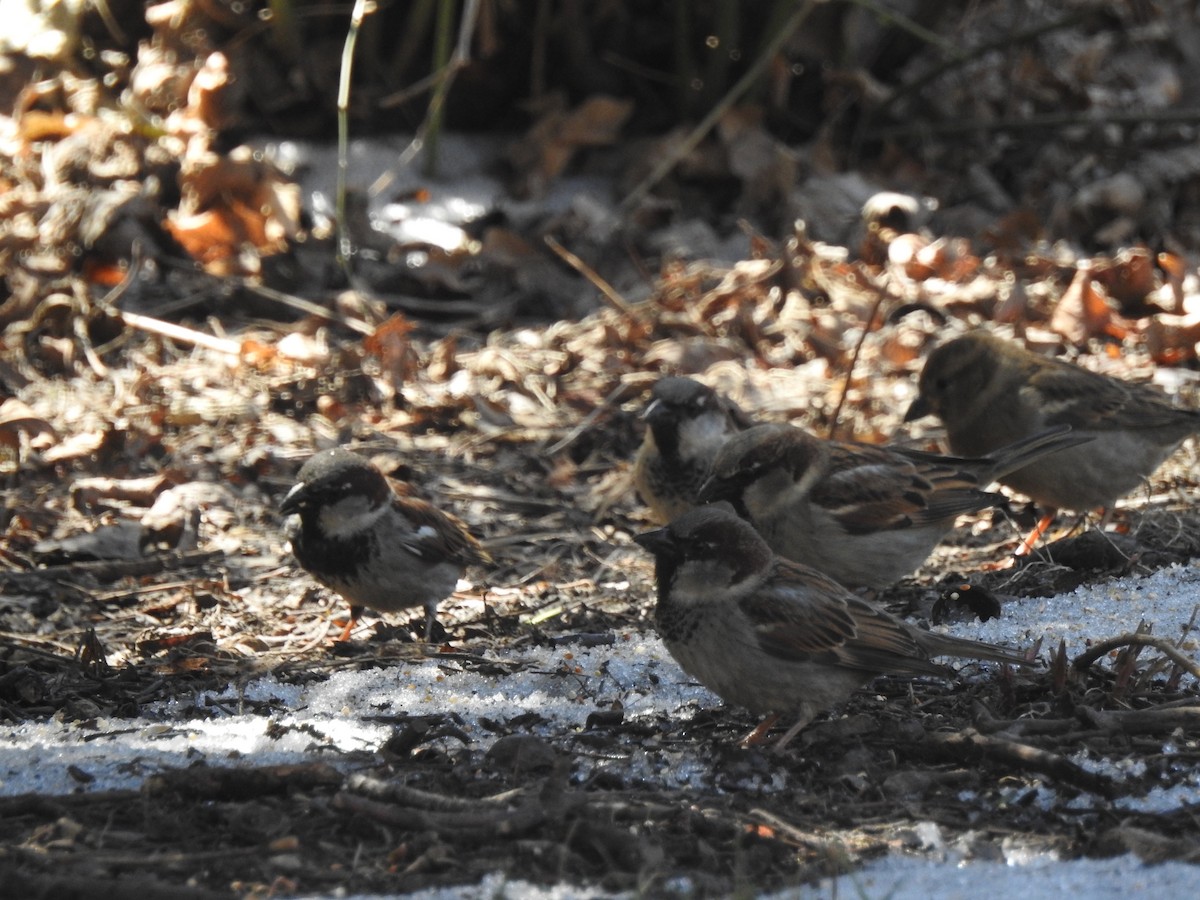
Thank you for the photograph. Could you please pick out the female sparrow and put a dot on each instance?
(864, 515)
(989, 392)
(772, 635)
(374, 546)
(687, 422)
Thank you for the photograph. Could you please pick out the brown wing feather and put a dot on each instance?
(874, 489)
(445, 537)
(1088, 400)
(801, 616)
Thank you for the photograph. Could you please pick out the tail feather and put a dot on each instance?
(945, 645)
(1019, 454)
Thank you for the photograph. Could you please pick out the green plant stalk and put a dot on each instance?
(362, 8)
(689, 143)
(416, 33)
(285, 32)
(443, 31)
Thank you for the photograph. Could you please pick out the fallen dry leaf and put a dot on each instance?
(1082, 312)
(1128, 278)
(17, 419)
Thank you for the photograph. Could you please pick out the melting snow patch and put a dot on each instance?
(900, 878)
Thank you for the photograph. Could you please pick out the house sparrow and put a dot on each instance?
(989, 392)
(372, 545)
(687, 423)
(864, 515)
(772, 635)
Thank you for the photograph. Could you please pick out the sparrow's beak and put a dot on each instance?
(716, 491)
(919, 409)
(294, 500)
(723, 495)
(659, 542)
(654, 410)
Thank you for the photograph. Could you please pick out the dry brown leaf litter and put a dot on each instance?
(527, 435)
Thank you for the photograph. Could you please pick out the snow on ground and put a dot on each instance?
(895, 878)
(344, 719)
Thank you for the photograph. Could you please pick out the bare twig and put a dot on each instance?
(1143, 721)
(182, 334)
(693, 139)
(441, 82)
(881, 295)
(588, 421)
(1162, 645)
(474, 818)
(889, 16)
(112, 569)
(971, 746)
(972, 54)
(610, 293)
(378, 789)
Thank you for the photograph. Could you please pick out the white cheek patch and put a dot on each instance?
(426, 533)
(774, 494)
(696, 581)
(701, 436)
(349, 516)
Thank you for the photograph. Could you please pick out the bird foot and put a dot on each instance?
(789, 734)
(1030, 540)
(759, 734)
(355, 614)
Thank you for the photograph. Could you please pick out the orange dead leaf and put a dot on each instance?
(904, 252)
(556, 137)
(389, 343)
(1082, 312)
(173, 641)
(1128, 278)
(208, 236)
(219, 236)
(257, 354)
(102, 273)
(760, 830)
(1172, 339)
(901, 346)
(958, 262)
(1175, 268)
(181, 664)
(38, 125)
(415, 195)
